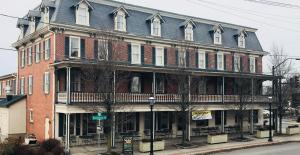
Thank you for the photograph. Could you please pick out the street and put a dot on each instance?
(286, 149)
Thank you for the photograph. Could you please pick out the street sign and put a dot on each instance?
(100, 129)
(99, 118)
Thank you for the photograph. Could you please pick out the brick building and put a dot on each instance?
(60, 38)
(8, 84)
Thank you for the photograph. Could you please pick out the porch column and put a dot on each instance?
(189, 111)
(154, 92)
(222, 112)
(113, 136)
(142, 124)
(67, 139)
(251, 111)
(68, 82)
(174, 125)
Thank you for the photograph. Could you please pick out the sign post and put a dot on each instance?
(128, 145)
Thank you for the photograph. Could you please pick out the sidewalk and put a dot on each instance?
(203, 148)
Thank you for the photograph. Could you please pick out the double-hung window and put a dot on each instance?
(220, 61)
(32, 25)
(102, 49)
(181, 58)
(22, 86)
(218, 37)
(159, 54)
(37, 53)
(120, 21)
(23, 58)
(160, 84)
(31, 116)
(136, 85)
(189, 32)
(46, 16)
(30, 84)
(29, 53)
(47, 49)
(252, 64)
(0, 88)
(201, 59)
(136, 54)
(241, 41)
(74, 47)
(46, 82)
(237, 63)
(156, 27)
(82, 17)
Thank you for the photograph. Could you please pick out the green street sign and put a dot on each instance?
(99, 118)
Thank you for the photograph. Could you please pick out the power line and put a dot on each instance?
(243, 17)
(273, 3)
(7, 49)
(15, 17)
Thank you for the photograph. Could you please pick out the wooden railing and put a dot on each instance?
(82, 97)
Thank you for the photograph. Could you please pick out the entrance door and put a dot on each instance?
(47, 124)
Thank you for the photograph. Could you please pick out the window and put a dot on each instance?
(37, 53)
(102, 49)
(0, 88)
(189, 35)
(252, 64)
(29, 50)
(22, 58)
(82, 15)
(218, 37)
(156, 27)
(220, 61)
(218, 117)
(160, 84)
(47, 44)
(237, 63)
(202, 86)
(32, 25)
(31, 116)
(30, 85)
(202, 123)
(22, 86)
(159, 54)
(120, 21)
(136, 85)
(46, 16)
(241, 41)
(74, 47)
(201, 59)
(181, 58)
(136, 54)
(21, 32)
(46, 83)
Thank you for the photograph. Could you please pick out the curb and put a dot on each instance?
(243, 147)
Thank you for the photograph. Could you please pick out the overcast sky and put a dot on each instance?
(276, 25)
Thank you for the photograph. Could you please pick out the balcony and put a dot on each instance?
(82, 97)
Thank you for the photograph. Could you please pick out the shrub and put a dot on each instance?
(51, 146)
(298, 119)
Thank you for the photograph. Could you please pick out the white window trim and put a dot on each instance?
(29, 50)
(46, 82)
(32, 25)
(22, 86)
(236, 67)
(156, 55)
(139, 52)
(159, 27)
(120, 13)
(47, 54)
(87, 20)
(241, 38)
(254, 65)
(46, 17)
(37, 52)
(106, 55)
(218, 32)
(23, 58)
(139, 84)
(192, 32)
(70, 47)
(30, 115)
(222, 59)
(30, 84)
(200, 52)
(184, 55)
(0, 88)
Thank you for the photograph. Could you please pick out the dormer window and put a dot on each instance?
(242, 39)
(21, 32)
(189, 33)
(82, 14)
(32, 25)
(218, 37)
(156, 27)
(46, 16)
(120, 21)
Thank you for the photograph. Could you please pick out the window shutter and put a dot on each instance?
(43, 85)
(241, 64)
(129, 53)
(166, 56)
(224, 62)
(44, 50)
(206, 60)
(249, 64)
(232, 65)
(109, 51)
(40, 54)
(216, 61)
(142, 54)
(197, 60)
(82, 48)
(67, 46)
(176, 57)
(153, 56)
(49, 53)
(187, 58)
(96, 49)
(256, 66)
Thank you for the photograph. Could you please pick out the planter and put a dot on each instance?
(292, 131)
(214, 139)
(157, 146)
(263, 133)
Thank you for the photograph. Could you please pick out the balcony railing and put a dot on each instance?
(82, 97)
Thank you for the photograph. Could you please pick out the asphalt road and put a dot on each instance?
(285, 149)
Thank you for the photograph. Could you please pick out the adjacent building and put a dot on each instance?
(61, 44)
(8, 84)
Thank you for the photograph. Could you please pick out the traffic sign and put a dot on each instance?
(99, 118)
